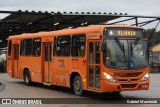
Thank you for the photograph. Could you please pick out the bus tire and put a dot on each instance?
(77, 86)
(27, 78)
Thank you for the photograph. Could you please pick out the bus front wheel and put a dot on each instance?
(77, 86)
(27, 78)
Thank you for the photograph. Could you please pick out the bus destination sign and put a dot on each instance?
(126, 32)
(115, 32)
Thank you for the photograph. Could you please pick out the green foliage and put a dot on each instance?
(156, 34)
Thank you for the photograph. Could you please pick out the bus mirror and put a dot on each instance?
(104, 45)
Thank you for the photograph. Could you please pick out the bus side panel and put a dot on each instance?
(9, 66)
(79, 65)
(34, 66)
(21, 67)
(54, 71)
(36, 72)
(61, 68)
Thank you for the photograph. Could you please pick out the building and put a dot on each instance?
(155, 58)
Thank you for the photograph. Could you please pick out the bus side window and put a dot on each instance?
(78, 45)
(27, 51)
(63, 45)
(9, 48)
(36, 47)
(55, 47)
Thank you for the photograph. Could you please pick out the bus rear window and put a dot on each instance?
(9, 48)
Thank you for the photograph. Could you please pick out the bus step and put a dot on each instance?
(47, 83)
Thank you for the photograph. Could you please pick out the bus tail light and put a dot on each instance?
(145, 77)
(108, 77)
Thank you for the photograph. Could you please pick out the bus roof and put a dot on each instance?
(79, 30)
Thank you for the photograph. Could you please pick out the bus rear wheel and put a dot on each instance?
(27, 78)
(77, 86)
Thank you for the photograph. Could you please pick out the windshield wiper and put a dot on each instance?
(133, 44)
(121, 46)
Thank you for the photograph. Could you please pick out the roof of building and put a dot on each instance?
(18, 22)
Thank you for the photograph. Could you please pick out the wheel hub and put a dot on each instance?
(78, 85)
(27, 79)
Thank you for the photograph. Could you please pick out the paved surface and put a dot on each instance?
(15, 88)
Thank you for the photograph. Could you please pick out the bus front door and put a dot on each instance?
(94, 64)
(47, 62)
(15, 60)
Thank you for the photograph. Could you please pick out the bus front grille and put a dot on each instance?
(125, 74)
(126, 80)
(128, 85)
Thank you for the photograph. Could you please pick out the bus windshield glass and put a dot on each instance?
(126, 54)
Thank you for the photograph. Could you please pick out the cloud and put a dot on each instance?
(129, 6)
(132, 7)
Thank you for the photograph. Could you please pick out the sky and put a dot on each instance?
(131, 7)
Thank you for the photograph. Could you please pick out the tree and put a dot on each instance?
(155, 37)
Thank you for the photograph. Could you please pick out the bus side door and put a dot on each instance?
(9, 59)
(47, 62)
(15, 59)
(94, 64)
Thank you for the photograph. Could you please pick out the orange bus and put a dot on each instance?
(102, 58)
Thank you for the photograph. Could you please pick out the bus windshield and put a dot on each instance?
(126, 54)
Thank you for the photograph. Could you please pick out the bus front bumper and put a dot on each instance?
(123, 86)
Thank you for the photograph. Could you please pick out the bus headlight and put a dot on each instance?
(108, 77)
(145, 77)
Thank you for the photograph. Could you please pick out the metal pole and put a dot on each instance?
(121, 21)
(136, 19)
(0, 29)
